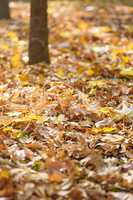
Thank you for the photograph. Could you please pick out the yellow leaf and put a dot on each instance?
(82, 25)
(4, 174)
(97, 83)
(28, 118)
(109, 129)
(8, 129)
(105, 110)
(90, 71)
(113, 57)
(5, 47)
(12, 36)
(125, 59)
(93, 91)
(60, 72)
(104, 130)
(119, 51)
(65, 34)
(117, 117)
(16, 61)
(96, 130)
(35, 117)
(80, 69)
(127, 72)
(24, 78)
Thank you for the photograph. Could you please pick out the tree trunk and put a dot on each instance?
(38, 41)
(4, 9)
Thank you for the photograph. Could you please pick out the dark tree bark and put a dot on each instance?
(38, 41)
(4, 9)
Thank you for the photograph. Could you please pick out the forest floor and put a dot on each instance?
(66, 130)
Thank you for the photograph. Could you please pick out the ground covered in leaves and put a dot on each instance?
(66, 130)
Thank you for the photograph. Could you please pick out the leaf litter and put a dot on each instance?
(66, 130)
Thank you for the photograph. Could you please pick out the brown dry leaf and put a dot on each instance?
(6, 188)
(76, 193)
(56, 177)
(8, 191)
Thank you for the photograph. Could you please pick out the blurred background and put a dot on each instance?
(102, 2)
